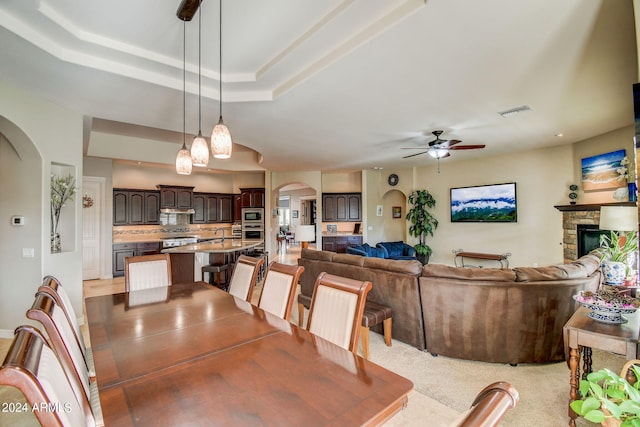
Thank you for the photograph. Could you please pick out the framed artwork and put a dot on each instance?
(601, 172)
(379, 210)
(396, 212)
(294, 214)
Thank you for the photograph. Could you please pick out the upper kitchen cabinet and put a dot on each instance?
(212, 208)
(237, 207)
(134, 207)
(252, 197)
(175, 197)
(341, 207)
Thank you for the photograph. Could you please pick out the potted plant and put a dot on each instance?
(423, 223)
(616, 256)
(609, 399)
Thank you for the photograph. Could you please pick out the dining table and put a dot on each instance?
(192, 354)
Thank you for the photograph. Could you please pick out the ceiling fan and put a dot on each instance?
(439, 148)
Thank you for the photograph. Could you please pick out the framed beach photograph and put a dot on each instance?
(396, 212)
(601, 172)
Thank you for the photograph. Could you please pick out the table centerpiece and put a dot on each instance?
(608, 304)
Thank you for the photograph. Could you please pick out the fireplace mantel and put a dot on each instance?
(591, 207)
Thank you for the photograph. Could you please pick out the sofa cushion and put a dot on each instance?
(367, 250)
(469, 273)
(317, 255)
(349, 259)
(579, 269)
(413, 267)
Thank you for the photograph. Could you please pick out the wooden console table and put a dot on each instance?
(503, 259)
(581, 333)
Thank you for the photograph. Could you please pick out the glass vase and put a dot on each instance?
(56, 243)
(633, 192)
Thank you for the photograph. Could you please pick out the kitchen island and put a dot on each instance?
(187, 260)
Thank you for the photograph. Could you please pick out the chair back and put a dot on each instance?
(336, 309)
(33, 368)
(52, 286)
(489, 406)
(147, 271)
(62, 339)
(244, 277)
(279, 289)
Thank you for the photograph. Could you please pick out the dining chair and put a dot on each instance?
(52, 286)
(244, 277)
(63, 341)
(147, 271)
(32, 367)
(279, 289)
(336, 309)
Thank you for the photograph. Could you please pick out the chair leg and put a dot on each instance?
(300, 314)
(386, 327)
(364, 340)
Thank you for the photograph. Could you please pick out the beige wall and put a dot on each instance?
(45, 133)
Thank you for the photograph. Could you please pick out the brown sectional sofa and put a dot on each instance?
(395, 284)
(486, 314)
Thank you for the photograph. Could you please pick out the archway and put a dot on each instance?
(394, 204)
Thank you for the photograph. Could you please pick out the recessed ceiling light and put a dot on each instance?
(377, 168)
(516, 110)
(559, 135)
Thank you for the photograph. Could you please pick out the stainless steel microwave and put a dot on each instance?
(252, 214)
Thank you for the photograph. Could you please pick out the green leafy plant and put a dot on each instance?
(606, 395)
(62, 191)
(619, 247)
(423, 223)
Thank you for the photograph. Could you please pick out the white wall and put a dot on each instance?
(55, 133)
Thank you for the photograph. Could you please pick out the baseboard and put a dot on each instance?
(6, 334)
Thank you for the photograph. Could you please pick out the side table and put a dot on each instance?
(581, 333)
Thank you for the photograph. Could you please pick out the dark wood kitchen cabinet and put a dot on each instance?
(252, 197)
(135, 207)
(212, 208)
(175, 197)
(237, 207)
(339, 243)
(341, 207)
(123, 250)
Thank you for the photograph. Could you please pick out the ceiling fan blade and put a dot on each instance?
(414, 148)
(451, 143)
(467, 147)
(412, 155)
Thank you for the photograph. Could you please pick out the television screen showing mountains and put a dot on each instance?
(485, 203)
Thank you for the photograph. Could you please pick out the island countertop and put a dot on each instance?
(229, 245)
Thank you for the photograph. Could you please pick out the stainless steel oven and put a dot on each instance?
(253, 233)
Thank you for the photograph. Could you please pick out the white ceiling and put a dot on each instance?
(335, 84)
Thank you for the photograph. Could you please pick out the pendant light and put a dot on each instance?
(183, 159)
(199, 147)
(221, 143)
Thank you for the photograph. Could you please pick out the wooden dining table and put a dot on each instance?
(191, 354)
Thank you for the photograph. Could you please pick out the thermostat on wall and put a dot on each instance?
(17, 220)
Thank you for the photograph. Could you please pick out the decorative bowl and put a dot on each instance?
(607, 306)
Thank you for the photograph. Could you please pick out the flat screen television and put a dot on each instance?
(484, 203)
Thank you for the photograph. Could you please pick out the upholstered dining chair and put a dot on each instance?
(244, 277)
(147, 271)
(52, 286)
(279, 289)
(32, 367)
(336, 309)
(63, 342)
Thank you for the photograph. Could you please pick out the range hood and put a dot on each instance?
(177, 211)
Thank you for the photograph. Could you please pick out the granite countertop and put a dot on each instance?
(340, 233)
(229, 245)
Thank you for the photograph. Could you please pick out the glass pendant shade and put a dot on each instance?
(438, 154)
(221, 141)
(183, 161)
(200, 151)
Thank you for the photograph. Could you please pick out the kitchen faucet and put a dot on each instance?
(215, 232)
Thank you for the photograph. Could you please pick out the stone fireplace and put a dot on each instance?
(585, 216)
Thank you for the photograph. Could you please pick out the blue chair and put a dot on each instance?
(366, 250)
(397, 250)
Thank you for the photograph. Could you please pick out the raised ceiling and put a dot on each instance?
(335, 84)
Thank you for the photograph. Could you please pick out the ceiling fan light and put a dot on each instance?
(183, 161)
(200, 151)
(221, 144)
(438, 153)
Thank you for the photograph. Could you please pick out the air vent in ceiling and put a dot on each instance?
(517, 110)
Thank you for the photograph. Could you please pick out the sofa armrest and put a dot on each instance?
(356, 251)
